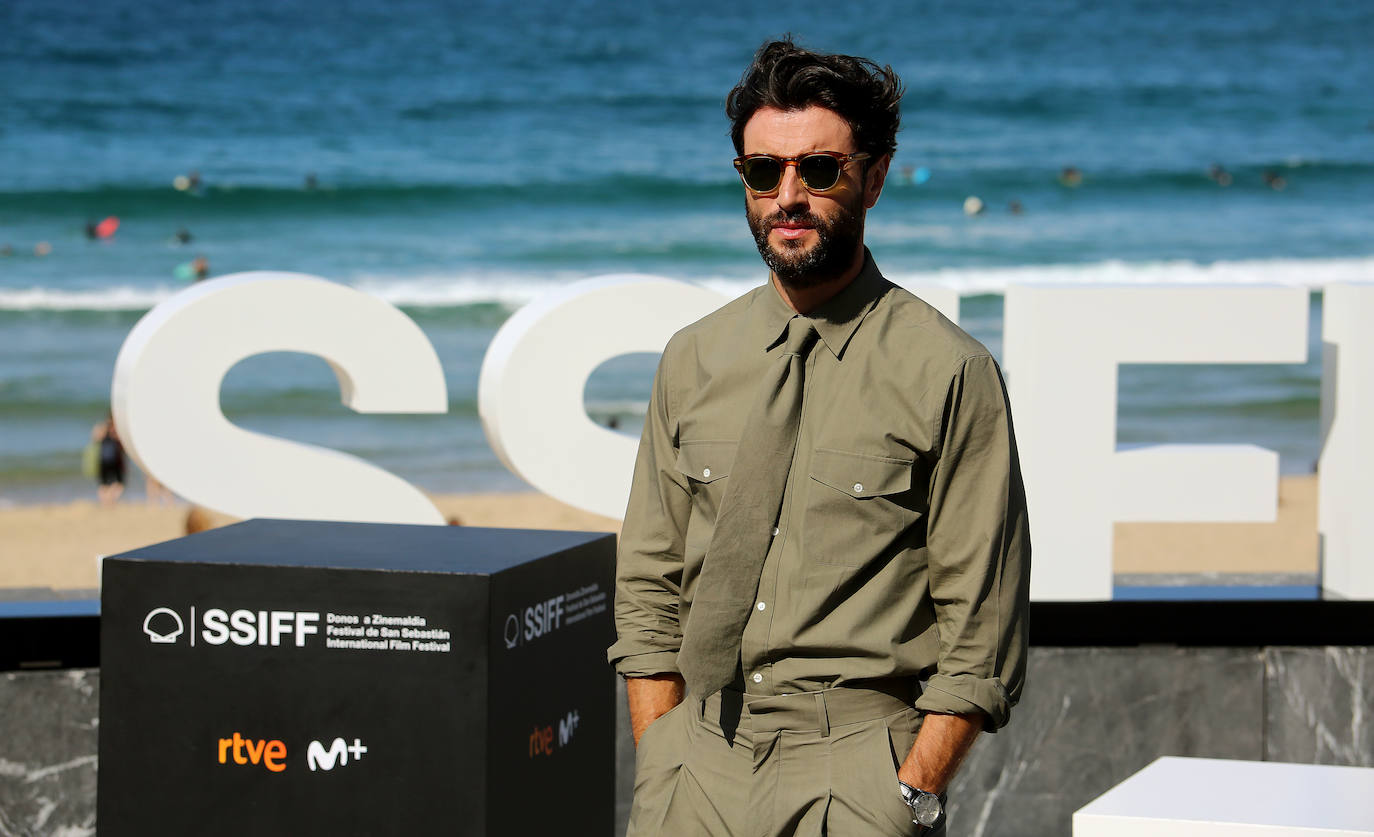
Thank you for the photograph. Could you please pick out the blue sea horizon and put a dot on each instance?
(461, 162)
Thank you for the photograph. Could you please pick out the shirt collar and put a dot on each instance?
(836, 320)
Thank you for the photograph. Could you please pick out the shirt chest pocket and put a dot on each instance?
(858, 504)
(706, 464)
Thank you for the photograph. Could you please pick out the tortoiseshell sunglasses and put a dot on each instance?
(819, 170)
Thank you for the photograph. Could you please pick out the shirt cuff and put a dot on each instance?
(964, 694)
(646, 665)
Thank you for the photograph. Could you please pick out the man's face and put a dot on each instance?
(809, 238)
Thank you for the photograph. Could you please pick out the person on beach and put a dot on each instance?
(110, 477)
(822, 585)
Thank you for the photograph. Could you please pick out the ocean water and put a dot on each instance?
(465, 158)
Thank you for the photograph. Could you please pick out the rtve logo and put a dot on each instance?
(272, 754)
(541, 740)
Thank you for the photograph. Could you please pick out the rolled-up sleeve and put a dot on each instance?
(649, 563)
(978, 542)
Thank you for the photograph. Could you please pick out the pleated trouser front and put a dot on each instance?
(799, 765)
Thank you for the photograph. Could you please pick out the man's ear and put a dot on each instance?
(874, 178)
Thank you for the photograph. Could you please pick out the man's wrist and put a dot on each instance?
(916, 779)
(650, 698)
(927, 808)
(939, 749)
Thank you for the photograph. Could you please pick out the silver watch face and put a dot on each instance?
(926, 808)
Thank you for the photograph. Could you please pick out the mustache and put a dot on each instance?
(780, 217)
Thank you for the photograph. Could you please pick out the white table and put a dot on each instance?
(1188, 797)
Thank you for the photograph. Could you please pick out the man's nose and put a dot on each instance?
(792, 195)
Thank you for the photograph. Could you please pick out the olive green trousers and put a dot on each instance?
(805, 764)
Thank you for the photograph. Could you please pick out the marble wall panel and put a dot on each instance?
(1319, 705)
(1089, 718)
(48, 729)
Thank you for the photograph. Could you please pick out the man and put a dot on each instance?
(823, 576)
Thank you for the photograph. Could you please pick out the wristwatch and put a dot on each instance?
(925, 806)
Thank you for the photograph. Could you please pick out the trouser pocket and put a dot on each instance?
(658, 761)
(866, 797)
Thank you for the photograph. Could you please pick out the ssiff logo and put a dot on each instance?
(242, 627)
(163, 626)
(539, 620)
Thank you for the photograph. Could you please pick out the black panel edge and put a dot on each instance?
(35, 643)
(44, 643)
(1236, 624)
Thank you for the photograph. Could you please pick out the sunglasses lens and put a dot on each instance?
(762, 174)
(819, 171)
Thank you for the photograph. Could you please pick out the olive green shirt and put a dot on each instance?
(902, 547)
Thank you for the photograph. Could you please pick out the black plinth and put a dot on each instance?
(289, 678)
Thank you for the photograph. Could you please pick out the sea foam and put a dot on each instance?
(513, 289)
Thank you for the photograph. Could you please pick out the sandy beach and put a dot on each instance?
(55, 546)
(1288, 546)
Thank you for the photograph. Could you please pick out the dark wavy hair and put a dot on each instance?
(788, 77)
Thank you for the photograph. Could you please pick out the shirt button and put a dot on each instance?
(858, 486)
(762, 606)
(775, 531)
(706, 473)
(758, 678)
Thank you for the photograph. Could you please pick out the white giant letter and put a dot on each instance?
(1345, 509)
(530, 393)
(167, 385)
(1062, 349)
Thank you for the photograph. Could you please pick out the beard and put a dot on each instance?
(837, 239)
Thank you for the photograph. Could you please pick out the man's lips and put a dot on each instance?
(792, 231)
